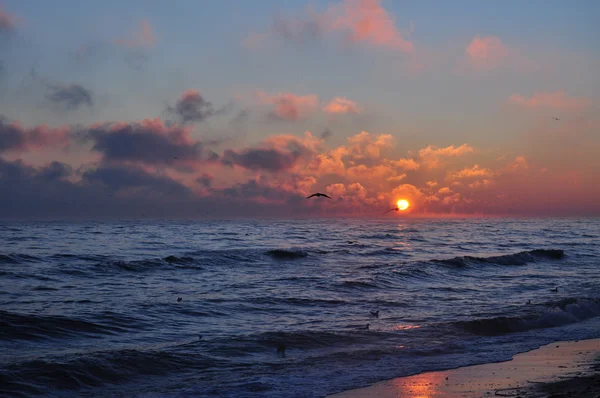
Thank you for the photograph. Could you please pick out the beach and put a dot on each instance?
(560, 369)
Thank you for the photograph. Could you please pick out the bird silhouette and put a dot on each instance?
(555, 118)
(318, 194)
(179, 299)
(366, 327)
(555, 290)
(375, 313)
(394, 209)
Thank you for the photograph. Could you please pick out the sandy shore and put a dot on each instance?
(557, 370)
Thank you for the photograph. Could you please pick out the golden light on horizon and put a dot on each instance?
(403, 204)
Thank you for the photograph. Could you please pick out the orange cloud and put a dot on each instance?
(557, 100)
(519, 164)
(406, 164)
(473, 172)
(340, 105)
(431, 154)
(143, 37)
(366, 145)
(486, 52)
(288, 106)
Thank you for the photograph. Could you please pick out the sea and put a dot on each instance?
(280, 308)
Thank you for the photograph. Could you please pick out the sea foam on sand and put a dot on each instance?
(561, 369)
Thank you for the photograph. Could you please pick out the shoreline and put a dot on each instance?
(559, 369)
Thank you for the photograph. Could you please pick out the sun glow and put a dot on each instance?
(403, 204)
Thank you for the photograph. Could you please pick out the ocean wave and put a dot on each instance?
(17, 258)
(15, 326)
(95, 369)
(546, 315)
(520, 258)
(283, 254)
(37, 327)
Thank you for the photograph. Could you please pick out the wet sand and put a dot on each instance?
(561, 369)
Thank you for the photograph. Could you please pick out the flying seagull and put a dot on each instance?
(317, 195)
(555, 118)
(394, 209)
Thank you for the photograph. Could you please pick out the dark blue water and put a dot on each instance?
(91, 308)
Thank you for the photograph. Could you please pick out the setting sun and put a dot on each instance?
(403, 204)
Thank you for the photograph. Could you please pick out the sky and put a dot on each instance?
(242, 109)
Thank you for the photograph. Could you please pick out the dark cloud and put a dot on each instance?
(192, 107)
(205, 180)
(70, 97)
(55, 171)
(298, 30)
(117, 178)
(14, 138)
(326, 134)
(261, 159)
(254, 189)
(136, 59)
(270, 159)
(241, 118)
(149, 142)
(125, 193)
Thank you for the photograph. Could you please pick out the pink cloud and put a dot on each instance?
(7, 21)
(16, 139)
(360, 21)
(486, 52)
(340, 105)
(143, 37)
(367, 21)
(556, 100)
(288, 106)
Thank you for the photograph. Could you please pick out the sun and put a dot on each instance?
(403, 204)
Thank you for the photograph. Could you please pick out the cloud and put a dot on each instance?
(357, 21)
(486, 52)
(341, 105)
(557, 100)
(7, 21)
(367, 145)
(326, 134)
(15, 138)
(431, 155)
(288, 106)
(70, 97)
(141, 38)
(149, 141)
(134, 181)
(205, 180)
(473, 172)
(367, 21)
(518, 165)
(192, 107)
(406, 164)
